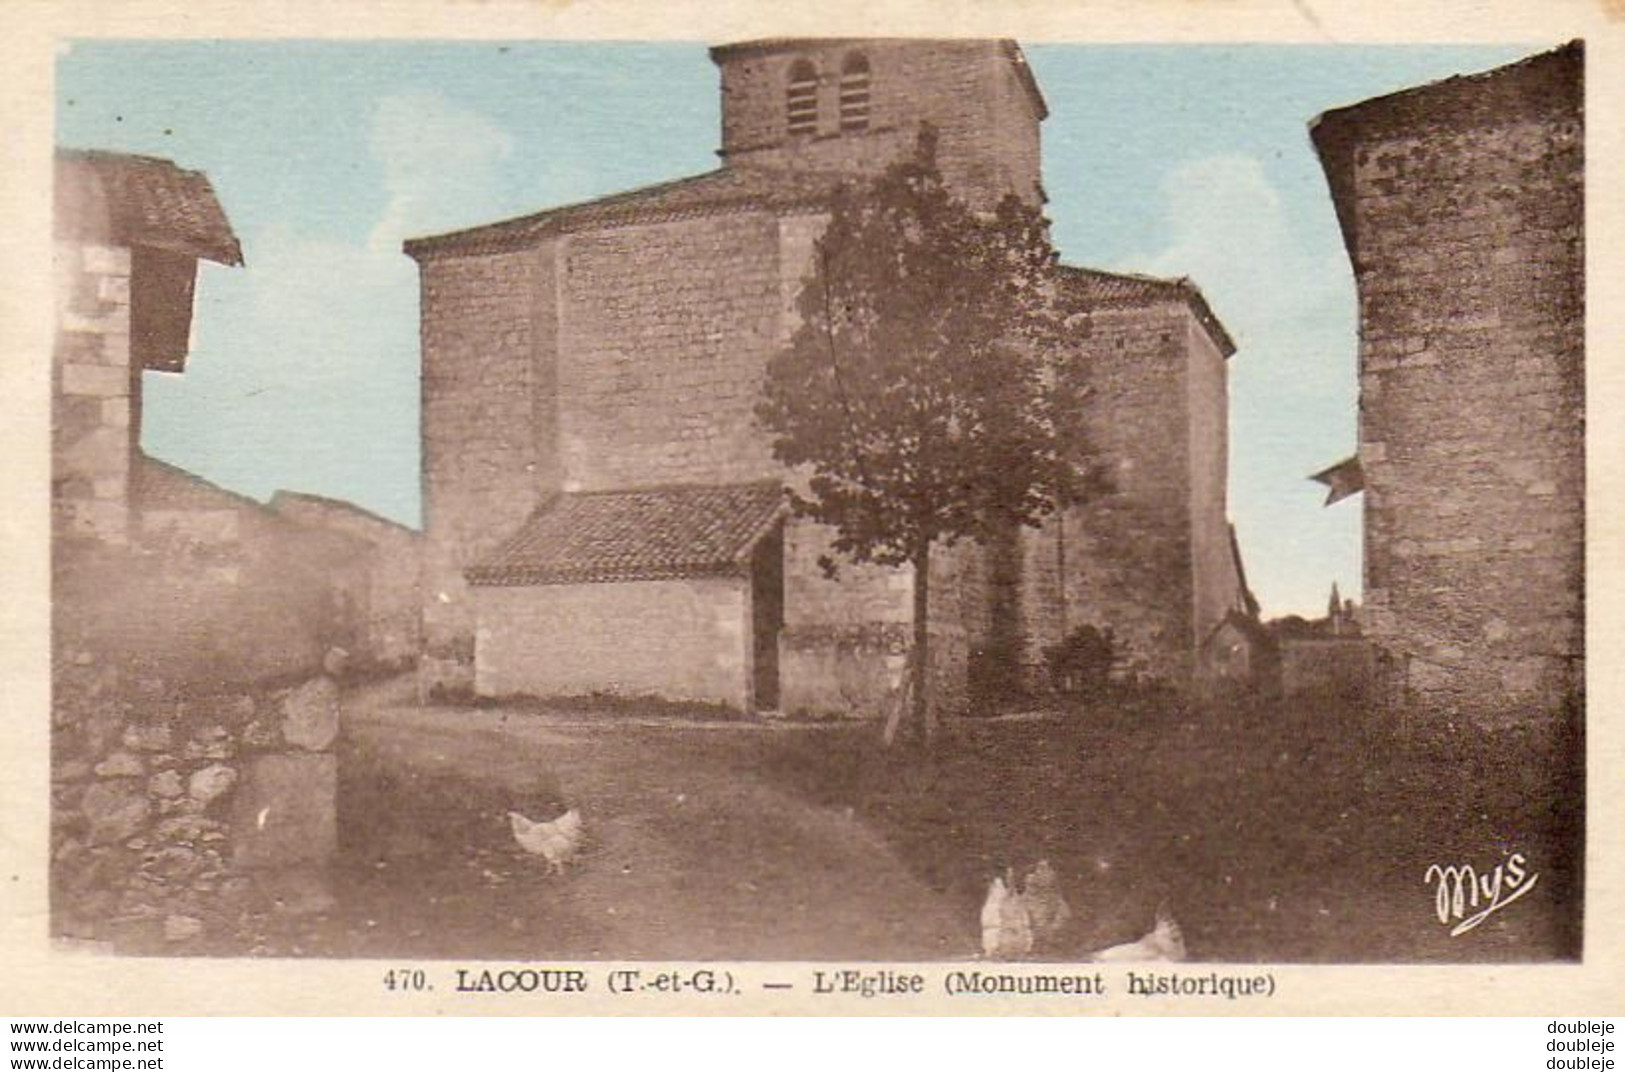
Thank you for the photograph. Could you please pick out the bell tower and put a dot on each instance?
(856, 104)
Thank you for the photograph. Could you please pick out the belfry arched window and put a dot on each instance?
(855, 92)
(801, 98)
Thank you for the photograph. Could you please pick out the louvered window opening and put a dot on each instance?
(855, 94)
(801, 99)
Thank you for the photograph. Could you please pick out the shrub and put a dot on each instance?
(1082, 663)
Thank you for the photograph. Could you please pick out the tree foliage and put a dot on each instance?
(923, 391)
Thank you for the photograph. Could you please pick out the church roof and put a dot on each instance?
(713, 193)
(141, 201)
(1117, 289)
(646, 534)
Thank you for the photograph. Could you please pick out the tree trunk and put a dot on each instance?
(925, 715)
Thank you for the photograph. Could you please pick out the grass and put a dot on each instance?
(1287, 831)
(1275, 832)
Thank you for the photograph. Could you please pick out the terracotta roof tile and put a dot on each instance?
(141, 201)
(1094, 287)
(639, 535)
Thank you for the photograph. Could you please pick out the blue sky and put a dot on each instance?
(1172, 160)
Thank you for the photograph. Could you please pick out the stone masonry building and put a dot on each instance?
(1462, 207)
(602, 513)
(130, 231)
(192, 780)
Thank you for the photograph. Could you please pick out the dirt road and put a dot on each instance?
(692, 854)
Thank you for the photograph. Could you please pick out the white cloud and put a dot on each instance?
(441, 163)
(1228, 230)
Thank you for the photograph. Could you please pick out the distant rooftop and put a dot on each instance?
(1107, 289)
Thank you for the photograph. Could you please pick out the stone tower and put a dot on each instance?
(855, 105)
(1462, 205)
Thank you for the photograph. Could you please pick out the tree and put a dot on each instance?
(923, 389)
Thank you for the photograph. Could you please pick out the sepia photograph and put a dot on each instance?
(1025, 505)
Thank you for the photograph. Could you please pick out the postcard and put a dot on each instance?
(1041, 510)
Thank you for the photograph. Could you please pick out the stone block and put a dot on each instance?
(285, 811)
(116, 810)
(310, 715)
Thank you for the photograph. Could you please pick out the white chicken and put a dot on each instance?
(1007, 928)
(555, 840)
(1165, 944)
(1046, 907)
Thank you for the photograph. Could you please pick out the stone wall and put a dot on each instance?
(180, 814)
(93, 394)
(987, 116)
(846, 639)
(679, 640)
(1462, 205)
(251, 600)
(631, 355)
(665, 332)
(389, 563)
(1129, 552)
(487, 417)
(1216, 582)
(1325, 666)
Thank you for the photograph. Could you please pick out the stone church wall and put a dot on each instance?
(91, 420)
(666, 329)
(1129, 552)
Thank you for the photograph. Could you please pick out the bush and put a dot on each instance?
(1082, 663)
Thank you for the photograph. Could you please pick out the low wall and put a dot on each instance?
(686, 640)
(178, 817)
(1341, 666)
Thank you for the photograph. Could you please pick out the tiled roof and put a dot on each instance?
(1543, 86)
(642, 535)
(1096, 288)
(141, 201)
(713, 193)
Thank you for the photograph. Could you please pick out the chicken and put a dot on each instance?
(556, 840)
(1046, 907)
(1165, 943)
(1007, 929)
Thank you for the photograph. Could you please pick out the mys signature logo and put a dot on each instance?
(1459, 890)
